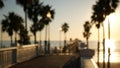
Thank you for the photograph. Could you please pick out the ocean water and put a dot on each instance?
(53, 44)
(115, 49)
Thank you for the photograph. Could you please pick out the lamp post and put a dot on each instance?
(48, 45)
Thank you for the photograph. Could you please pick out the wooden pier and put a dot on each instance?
(31, 57)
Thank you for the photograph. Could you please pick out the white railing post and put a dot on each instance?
(14, 56)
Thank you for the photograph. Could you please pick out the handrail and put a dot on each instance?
(6, 49)
(12, 55)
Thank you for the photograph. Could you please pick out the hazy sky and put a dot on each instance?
(74, 12)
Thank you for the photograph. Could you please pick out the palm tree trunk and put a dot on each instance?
(40, 38)
(35, 38)
(103, 46)
(26, 19)
(40, 46)
(108, 29)
(15, 38)
(98, 46)
(11, 40)
(45, 39)
(64, 49)
(87, 42)
(108, 65)
(60, 38)
(65, 40)
(48, 38)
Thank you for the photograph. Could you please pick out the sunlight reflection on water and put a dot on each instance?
(114, 57)
(115, 52)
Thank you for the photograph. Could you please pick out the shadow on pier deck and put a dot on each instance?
(53, 61)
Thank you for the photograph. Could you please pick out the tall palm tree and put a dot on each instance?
(25, 4)
(17, 20)
(7, 26)
(109, 7)
(24, 39)
(86, 34)
(44, 14)
(33, 29)
(65, 28)
(97, 18)
(40, 28)
(11, 23)
(33, 14)
(1, 6)
(101, 10)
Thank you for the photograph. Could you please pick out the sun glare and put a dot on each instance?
(110, 44)
(112, 19)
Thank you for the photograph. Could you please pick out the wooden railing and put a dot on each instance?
(13, 55)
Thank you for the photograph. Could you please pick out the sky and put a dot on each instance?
(73, 12)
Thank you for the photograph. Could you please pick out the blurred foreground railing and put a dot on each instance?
(87, 63)
(13, 55)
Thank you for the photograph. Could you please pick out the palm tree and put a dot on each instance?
(97, 18)
(40, 28)
(1, 4)
(65, 29)
(101, 10)
(25, 4)
(33, 29)
(33, 14)
(24, 39)
(7, 26)
(86, 33)
(47, 15)
(11, 23)
(109, 7)
(17, 20)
